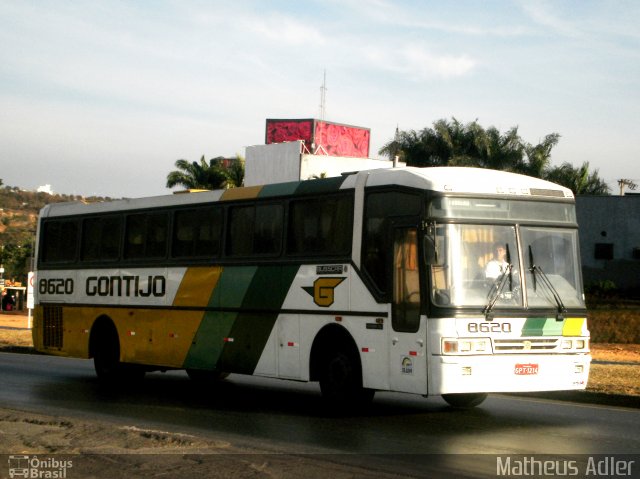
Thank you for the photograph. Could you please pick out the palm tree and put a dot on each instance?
(539, 156)
(453, 143)
(235, 172)
(215, 174)
(579, 180)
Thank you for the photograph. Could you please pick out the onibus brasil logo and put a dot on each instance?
(34, 467)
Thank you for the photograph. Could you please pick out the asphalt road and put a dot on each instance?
(397, 433)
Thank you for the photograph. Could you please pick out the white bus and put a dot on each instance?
(437, 281)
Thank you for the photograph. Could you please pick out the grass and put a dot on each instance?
(622, 379)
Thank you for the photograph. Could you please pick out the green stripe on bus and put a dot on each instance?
(233, 341)
(279, 189)
(215, 326)
(251, 329)
(209, 341)
(542, 327)
(324, 185)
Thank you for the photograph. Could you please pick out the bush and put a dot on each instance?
(615, 325)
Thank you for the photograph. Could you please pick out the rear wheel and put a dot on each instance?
(465, 400)
(105, 347)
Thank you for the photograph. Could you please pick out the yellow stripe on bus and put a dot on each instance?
(246, 193)
(573, 326)
(197, 285)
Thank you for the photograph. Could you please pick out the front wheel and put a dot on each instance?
(465, 400)
(202, 376)
(341, 380)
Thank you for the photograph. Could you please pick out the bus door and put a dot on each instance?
(407, 349)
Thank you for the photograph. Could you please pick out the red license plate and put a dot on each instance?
(526, 369)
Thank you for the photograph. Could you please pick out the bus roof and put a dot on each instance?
(481, 181)
(453, 180)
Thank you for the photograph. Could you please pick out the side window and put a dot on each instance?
(240, 237)
(320, 226)
(406, 281)
(146, 236)
(196, 232)
(255, 229)
(268, 229)
(380, 208)
(60, 241)
(101, 238)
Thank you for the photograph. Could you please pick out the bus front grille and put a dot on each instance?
(52, 327)
(525, 345)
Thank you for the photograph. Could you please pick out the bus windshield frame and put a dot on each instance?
(503, 254)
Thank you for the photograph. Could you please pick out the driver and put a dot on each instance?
(498, 265)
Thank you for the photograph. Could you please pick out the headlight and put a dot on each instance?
(575, 344)
(466, 346)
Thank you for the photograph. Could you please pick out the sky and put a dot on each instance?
(102, 97)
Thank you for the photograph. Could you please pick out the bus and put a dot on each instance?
(446, 281)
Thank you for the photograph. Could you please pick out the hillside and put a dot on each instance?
(18, 218)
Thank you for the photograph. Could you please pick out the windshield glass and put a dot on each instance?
(555, 253)
(475, 265)
(472, 261)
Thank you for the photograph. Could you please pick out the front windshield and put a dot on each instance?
(478, 264)
(555, 255)
(473, 262)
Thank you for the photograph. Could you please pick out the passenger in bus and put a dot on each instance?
(498, 265)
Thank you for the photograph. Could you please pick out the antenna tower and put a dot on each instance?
(323, 96)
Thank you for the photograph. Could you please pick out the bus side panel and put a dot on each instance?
(246, 305)
(155, 337)
(215, 329)
(372, 335)
(326, 295)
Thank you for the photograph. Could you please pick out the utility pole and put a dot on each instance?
(628, 183)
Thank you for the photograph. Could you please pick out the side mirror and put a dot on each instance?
(430, 251)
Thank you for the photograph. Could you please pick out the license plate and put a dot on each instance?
(526, 369)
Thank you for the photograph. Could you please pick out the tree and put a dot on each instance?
(215, 174)
(579, 180)
(539, 156)
(235, 172)
(15, 258)
(452, 143)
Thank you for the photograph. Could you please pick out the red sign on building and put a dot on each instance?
(321, 137)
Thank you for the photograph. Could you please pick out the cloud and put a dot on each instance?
(545, 16)
(418, 63)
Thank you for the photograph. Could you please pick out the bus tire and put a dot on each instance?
(464, 400)
(341, 380)
(205, 376)
(104, 346)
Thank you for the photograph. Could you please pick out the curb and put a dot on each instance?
(585, 397)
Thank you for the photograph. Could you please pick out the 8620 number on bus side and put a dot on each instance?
(55, 286)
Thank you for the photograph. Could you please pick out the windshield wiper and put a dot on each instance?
(496, 290)
(544, 280)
